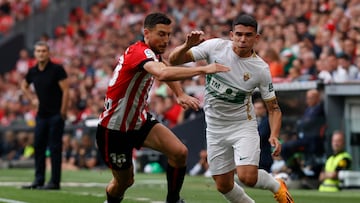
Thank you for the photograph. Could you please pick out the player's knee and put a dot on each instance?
(130, 182)
(180, 156)
(183, 154)
(248, 180)
(224, 187)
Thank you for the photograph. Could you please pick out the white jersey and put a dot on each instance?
(228, 94)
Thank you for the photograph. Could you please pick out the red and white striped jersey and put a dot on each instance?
(126, 97)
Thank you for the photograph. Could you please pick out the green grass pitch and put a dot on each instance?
(89, 186)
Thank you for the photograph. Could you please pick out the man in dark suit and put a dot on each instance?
(310, 133)
(264, 132)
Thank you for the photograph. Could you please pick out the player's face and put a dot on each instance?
(158, 37)
(41, 53)
(244, 39)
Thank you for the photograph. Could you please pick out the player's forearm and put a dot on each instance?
(175, 86)
(172, 73)
(178, 55)
(275, 117)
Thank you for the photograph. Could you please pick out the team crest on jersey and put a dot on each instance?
(246, 76)
(149, 53)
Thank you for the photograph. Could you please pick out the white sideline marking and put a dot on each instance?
(10, 201)
(88, 184)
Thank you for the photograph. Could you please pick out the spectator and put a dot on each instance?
(339, 160)
(70, 153)
(25, 151)
(273, 59)
(345, 71)
(308, 68)
(310, 133)
(202, 166)
(266, 159)
(24, 62)
(9, 146)
(88, 154)
(6, 20)
(174, 112)
(327, 64)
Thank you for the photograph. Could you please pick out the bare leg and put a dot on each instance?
(121, 181)
(162, 139)
(231, 191)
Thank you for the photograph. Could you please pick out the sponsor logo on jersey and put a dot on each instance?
(271, 87)
(150, 54)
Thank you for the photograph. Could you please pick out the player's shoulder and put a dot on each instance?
(216, 44)
(217, 41)
(140, 49)
(257, 60)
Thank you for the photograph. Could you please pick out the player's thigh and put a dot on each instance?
(220, 157)
(162, 139)
(247, 149)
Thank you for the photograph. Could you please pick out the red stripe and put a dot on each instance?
(130, 100)
(141, 103)
(175, 176)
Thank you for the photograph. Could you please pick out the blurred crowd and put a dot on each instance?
(12, 11)
(310, 40)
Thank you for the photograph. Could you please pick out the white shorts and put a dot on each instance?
(232, 145)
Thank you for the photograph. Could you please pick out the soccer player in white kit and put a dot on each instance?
(232, 138)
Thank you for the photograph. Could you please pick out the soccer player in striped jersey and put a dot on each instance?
(125, 123)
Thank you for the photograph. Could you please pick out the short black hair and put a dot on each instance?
(153, 19)
(246, 20)
(42, 44)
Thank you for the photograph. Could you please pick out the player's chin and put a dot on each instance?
(161, 50)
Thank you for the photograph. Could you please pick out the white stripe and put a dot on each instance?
(10, 201)
(116, 120)
(137, 97)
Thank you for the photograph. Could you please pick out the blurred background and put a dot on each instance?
(309, 44)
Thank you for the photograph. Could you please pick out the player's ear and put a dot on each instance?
(231, 34)
(257, 37)
(146, 31)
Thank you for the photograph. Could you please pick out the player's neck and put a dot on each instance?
(243, 54)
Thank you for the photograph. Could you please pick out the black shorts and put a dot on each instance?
(116, 147)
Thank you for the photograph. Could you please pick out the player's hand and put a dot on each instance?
(275, 145)
(216, 68)
(187, 101)
(194, 38)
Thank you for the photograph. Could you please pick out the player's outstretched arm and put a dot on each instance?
(182, 54)
(170, 73)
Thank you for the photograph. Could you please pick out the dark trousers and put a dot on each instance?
(48, 132)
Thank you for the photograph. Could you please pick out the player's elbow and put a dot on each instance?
(164, 75)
